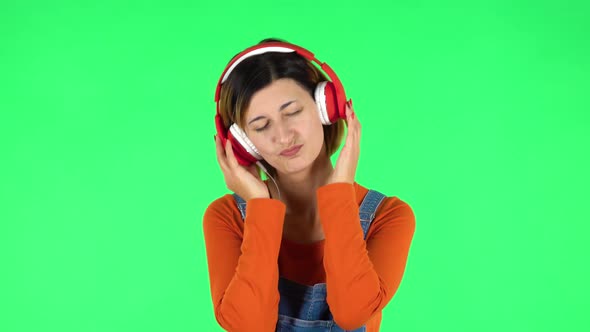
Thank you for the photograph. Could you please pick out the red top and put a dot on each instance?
(245, 258)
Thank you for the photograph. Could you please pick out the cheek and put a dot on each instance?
(317, 127)
(315, 136)
(313, 124)
(262, 146)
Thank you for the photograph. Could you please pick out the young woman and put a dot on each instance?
(312, 250)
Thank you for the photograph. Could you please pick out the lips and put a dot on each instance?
(291, 151)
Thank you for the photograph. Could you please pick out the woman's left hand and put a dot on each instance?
(349, 155)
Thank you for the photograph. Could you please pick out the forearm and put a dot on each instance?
(355, 289)
(250, 300)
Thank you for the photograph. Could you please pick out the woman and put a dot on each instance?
(313, 250)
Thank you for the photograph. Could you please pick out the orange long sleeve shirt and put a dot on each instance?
(246, 258)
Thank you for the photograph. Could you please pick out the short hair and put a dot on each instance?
(257, 72)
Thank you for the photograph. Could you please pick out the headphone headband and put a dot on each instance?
(252, 53)
(274, 47)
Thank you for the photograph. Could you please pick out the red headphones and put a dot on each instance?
(329, 97)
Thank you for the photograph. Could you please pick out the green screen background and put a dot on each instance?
(475, 113)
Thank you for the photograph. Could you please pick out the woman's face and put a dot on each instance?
(281, 116)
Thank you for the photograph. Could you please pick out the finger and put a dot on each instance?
(349, 119)
(355, 123)
(252, 169)
(348, 112)
(231, 158)
(352, 121)
(355, 128)
(221, 159)
(349, 137)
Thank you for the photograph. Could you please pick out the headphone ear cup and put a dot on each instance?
(244, 149)
(327, 103)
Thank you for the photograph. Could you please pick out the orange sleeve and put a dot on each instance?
(362, 277)
(243, 273)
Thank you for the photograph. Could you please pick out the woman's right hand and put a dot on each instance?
(245, 182)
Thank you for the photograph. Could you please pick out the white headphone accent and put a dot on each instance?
(320, 100)
(243, 139)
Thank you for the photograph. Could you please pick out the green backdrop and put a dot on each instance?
(475, 113)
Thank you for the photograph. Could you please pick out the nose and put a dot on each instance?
(284, 134)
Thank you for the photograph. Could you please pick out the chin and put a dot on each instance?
(294, 165)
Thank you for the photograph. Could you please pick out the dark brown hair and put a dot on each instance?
(259, 71)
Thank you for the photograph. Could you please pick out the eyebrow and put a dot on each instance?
(280, 109)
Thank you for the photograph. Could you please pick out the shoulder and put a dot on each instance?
(393, 212)
(395, 206)
(223, 212)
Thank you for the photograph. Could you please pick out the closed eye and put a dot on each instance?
(266, 126)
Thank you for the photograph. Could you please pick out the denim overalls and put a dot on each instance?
(304, 308)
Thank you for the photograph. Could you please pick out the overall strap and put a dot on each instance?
(241, 205)
(368, 208)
